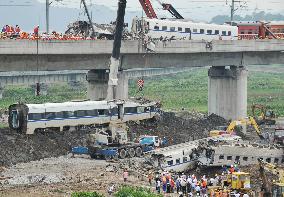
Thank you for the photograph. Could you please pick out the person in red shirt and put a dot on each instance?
(36, 30)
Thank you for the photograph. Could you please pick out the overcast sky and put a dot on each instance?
(196, 9)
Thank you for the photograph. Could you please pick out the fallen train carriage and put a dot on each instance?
(29, 118)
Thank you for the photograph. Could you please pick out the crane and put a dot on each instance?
(150, 12)
(277, 188)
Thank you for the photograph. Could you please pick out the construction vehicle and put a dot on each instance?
(111, 142)
(271, 188)
(267, 116)
(150, 12)
(239, 181)
(232, 126)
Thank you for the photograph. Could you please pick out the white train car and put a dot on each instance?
(188, 30)
(29, 118)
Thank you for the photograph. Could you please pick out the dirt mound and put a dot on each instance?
(16, 147)
(177, 129)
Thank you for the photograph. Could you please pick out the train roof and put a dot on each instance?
(189, 21)
(84, 105)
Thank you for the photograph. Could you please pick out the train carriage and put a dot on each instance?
(184, 29)
(29, 118)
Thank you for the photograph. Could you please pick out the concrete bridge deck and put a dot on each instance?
(23, 55)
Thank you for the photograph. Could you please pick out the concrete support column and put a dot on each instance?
(227, 92)
(97, 84)
(122, 87)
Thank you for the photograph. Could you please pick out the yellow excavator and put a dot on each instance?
(231, 128)
(275, 188)
(267, 116)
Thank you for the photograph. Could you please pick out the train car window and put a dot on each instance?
(209, 31)
(164, 28)
(268, 160)
(184, 159)
(221, 157)
(131, 110)
(67, 114)
(276, 160)
(170, 163)
(93, 112)
(179, 29)
(59, 115)
(217, 32)
(223, 33)
(187, 30)
(194, 30)
(80, 113)
(249, 32)
(245, 158)
(49, 115)
(177, 161)
(152, 108)
(202, 31)
(229, 157)
(156, 28)
(102, 112)
(242, 32)
(229, 33)
(35, 116)
(172, 29)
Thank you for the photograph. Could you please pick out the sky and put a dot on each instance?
(203, 9)
(104, 11)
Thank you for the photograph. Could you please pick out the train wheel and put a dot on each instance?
(138, 151)
(131, 152)
(122, 154)
(107, 157)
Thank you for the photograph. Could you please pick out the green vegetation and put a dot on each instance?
(189, 90)
(125, 191)
(56, 93)
(86, 194)
(129, 191)
(185, 90)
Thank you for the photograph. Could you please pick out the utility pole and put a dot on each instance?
(47, 15)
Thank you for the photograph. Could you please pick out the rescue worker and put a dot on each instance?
(17, 31)
(125, 175)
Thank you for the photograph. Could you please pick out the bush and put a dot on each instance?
(128, 191)
(86, 194)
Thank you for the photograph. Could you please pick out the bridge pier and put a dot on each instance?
(227, 92)
(98, 84)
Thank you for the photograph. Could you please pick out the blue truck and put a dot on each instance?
(112, 143)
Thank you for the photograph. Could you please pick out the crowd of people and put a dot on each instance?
(11, 32)
(187, 185)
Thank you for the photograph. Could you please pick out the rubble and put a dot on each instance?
(178, 129)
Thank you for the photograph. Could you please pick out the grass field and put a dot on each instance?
(186, 90)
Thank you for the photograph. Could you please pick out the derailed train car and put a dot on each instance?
(29, 118)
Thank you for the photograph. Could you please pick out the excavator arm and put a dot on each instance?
(172, 10)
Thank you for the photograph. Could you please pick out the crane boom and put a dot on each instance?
(148, 8)
(172, 10)
(89, 18)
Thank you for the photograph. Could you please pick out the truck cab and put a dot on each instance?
(150, 140)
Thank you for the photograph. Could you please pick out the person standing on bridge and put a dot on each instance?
(36, 30)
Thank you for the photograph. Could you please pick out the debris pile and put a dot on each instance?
(178, 129)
